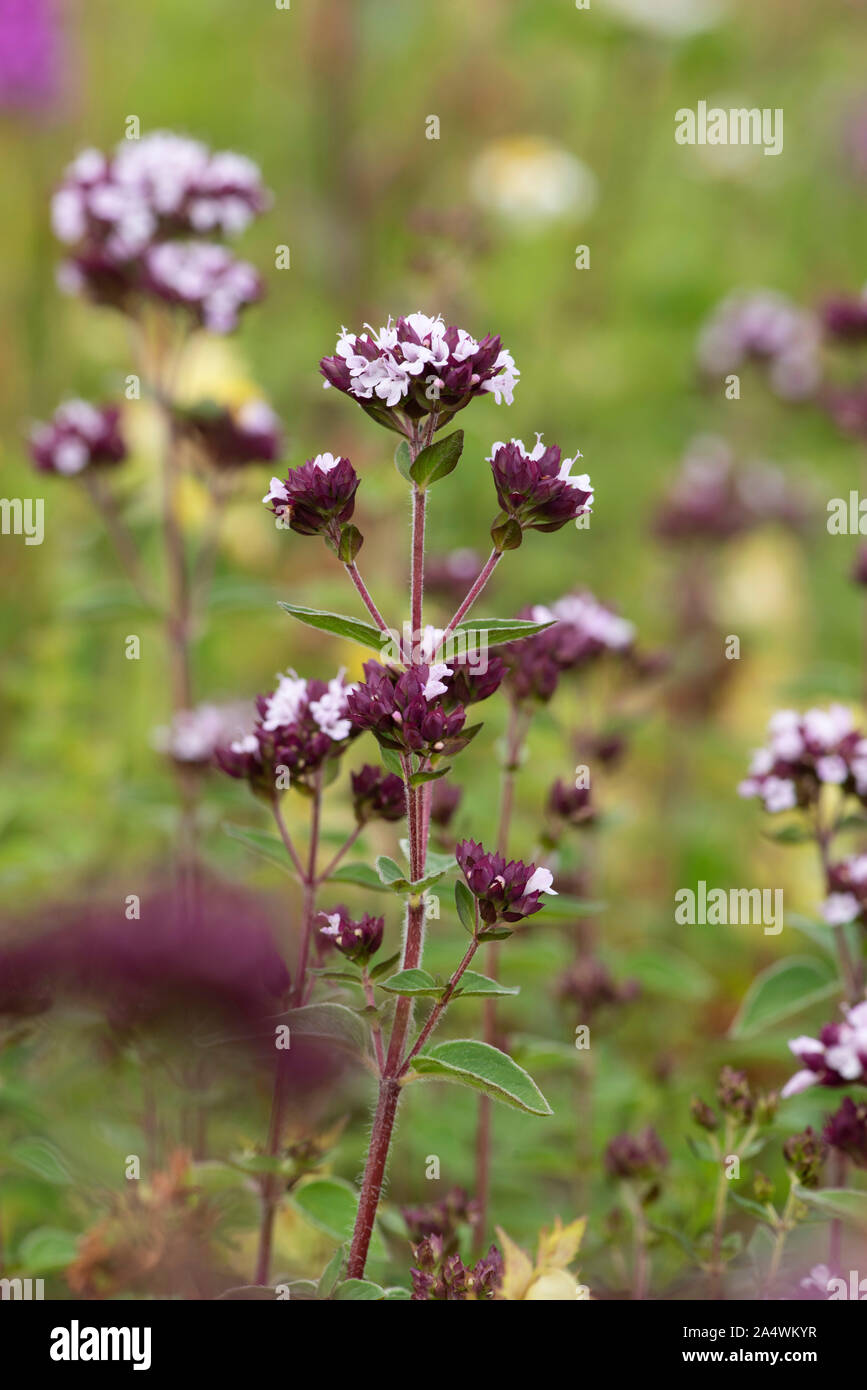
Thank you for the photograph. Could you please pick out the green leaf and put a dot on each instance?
(439, 863)
(839, 1203)
(497, 630)
(351, 541)
(419, 778)
(667, 971)
(437, 460)
(333, 1022)
(484, 1068)
(267, 846)
(359, 873)
(338, 625)
(42, 1158)
(391, 761)
(391, 876)
(789, 835)
(389, 872)
(754, 1208)
(413, 982)
(46, 1249)
(384, 966)
(359, 1289)
(331, 1204)
(465, 904)
(332, 1272)
(472, 985)
(507, 535)
(252, 1293)
(785, 988)
(403, 460)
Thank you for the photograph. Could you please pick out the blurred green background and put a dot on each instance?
(331, 99)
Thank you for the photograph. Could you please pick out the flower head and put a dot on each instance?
(377, 795)
(805, 1154)
(846, 1131)
(78, 436)
(765, 327)
(194, 735)
(415, 367)
(536, 490)
(404, 710)
(316, 498)
(838, 1057)
(714, 497)
(636, 1156)
(804, 753)
(230, 438)
(203, 278)
(356, 938)
(161, 185)
(571, 804)
(301, 725)
(506, 891)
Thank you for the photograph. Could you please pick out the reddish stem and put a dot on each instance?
(478, 585)
(354, 575)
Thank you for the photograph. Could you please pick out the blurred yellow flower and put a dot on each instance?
(528, 179)
(549, 1278)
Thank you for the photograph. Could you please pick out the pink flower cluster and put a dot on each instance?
(122, 212)
(837, 1057)
(763, 326)
(416, 366)
(805, 752)
(79, 434)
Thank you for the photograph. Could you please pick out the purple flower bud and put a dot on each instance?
(318, 497)
(442, 1277)
(805, 1154)
(445, 799)
(571, 804)
(78, 436)
(589, 984)
(357, 939)
(229, 439)
(847, 407)
(536, 490)
(505, 891)
(442, 1219)
(846, 1131)
(859, 569)
(734, 1095)
(636, 1156)
(468, 684)
(703, 1115)
(378, 795)
(846, 319)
